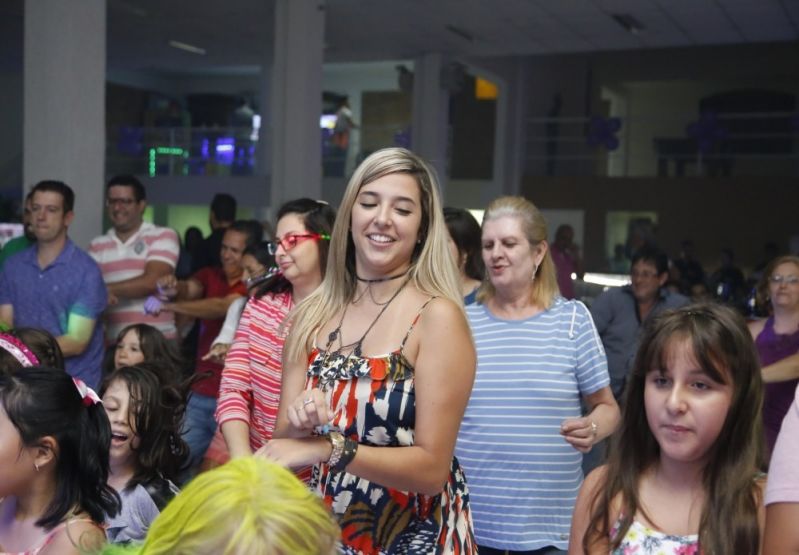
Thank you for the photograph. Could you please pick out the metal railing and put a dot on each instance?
(229, 151)
(708, 144)
(755, 143)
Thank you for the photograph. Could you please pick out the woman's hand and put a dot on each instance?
(296, 453)
(309, 410)
(581, 433)
(218, 352)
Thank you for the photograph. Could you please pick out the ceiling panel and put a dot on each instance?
(703, 20)
(764, 22)
(238, 33)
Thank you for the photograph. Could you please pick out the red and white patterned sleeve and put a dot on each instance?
(235, 390)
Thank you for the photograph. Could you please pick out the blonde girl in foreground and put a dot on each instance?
(682, 475)
(246, 507)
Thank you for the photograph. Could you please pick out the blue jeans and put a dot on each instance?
(200, 426)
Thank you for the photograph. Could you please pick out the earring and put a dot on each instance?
(535, 269)
(36, 466)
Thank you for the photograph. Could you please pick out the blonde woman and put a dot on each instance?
(523, 435)
(378, 368)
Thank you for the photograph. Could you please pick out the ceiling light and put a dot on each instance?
(187, 47)
(630, 24)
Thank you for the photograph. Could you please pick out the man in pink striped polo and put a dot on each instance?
(132, 256)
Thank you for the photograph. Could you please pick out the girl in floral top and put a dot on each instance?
(682, 475)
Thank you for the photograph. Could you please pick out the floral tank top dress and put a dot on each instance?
(373, 399)
(644, 540)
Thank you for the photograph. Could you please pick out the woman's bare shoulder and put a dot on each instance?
(78, 536)
(756, 327)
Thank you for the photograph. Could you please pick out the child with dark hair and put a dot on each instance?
(259, 266)
(147, 453)
(22, 347)
(139, 343)
(54, 441)
(683, 470)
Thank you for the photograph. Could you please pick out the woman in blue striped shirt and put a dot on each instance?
(538, 355)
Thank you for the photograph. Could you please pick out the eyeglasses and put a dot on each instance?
(788, 280)
(119, 201)
(645, 274)
(288, 242)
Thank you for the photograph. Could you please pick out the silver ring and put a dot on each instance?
(308, 401)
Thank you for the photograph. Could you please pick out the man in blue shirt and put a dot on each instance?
(56, 286)
(620, 312)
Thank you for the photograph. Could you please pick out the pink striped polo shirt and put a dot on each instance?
(119, 261)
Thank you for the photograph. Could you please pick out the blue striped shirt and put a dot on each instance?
(522, 474)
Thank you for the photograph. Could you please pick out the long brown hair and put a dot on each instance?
(723, 347)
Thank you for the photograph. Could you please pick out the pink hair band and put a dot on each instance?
(18, 350)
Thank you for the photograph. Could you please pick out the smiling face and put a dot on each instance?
(685, 407)
(386, 220)
(645, 280)
(124, 211)
(509, 258)
(300, 264)
(233, 245)
(128, 350)
(783, 286)
(121, 414)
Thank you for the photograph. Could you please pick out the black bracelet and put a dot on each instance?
(350, 448)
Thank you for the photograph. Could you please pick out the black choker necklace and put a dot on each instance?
(379, 280)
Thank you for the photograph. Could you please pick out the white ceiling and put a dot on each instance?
(238, 32)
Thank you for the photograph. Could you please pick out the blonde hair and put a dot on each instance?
(534, 227)
(432, 271)
(248, 506)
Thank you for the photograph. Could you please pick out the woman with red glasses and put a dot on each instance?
(249, 394)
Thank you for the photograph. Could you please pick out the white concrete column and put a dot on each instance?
(297, 100)
(430, 127)
(263, 150)
(510, 135)
(64, 105)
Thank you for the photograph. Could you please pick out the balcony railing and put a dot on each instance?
(231, 151)
(710, 144)
(756, 143)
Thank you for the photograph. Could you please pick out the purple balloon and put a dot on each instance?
(602, 131)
